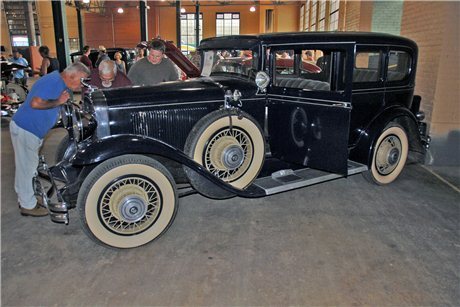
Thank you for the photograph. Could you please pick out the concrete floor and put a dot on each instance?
(344, 242)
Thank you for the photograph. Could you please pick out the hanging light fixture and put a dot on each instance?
(86, 1)
(252, 9)
(182, 10)
(120, 10)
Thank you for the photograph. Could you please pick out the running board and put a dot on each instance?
(285, 180)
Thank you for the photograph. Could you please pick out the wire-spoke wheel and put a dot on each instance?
(127, 201)
(230, 147)
(390, 155)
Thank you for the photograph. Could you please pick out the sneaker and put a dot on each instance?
(37, 211)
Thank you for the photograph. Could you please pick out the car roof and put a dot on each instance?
(248, 41)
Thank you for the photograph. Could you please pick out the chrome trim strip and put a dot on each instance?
(327, 103)
(182, 103)
(166, 104)
(310, 43)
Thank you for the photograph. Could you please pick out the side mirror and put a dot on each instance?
(262, 80)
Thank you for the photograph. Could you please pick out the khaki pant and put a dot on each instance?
(26, 148)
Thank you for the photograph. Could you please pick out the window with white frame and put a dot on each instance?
(334, 15)
(302, 18)
(322, 15)
(227, 24)
(314, 7)
(187, 35)
(307, 16)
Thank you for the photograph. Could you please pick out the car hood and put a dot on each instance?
(192, 90)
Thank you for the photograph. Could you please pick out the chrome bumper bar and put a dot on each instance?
(59, 212)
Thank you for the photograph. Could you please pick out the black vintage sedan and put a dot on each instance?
(265, 114)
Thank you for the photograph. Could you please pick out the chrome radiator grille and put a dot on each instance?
(171, 126)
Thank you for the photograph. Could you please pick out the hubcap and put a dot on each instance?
(233, 157)
(228, 154)
(388, 155)
(130, 205)
(132, 208)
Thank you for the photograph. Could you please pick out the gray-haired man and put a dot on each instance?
(31, 123)
(108, 76)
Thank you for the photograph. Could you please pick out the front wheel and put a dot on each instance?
(390, 155)
(127, 201)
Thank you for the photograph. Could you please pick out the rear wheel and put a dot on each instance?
(127, 201)
(230, 147)
(390, 155)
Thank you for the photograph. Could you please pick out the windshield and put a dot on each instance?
(230, 61)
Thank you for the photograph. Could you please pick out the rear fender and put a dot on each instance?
(363, 150)
(117, 145)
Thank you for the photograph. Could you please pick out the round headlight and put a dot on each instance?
(262, 80)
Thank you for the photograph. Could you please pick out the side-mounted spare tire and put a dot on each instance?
(229, 145)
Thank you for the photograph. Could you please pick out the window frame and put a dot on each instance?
(182, 35)
(231, 22)
(407, 77)
(379, 83)
(340, 78)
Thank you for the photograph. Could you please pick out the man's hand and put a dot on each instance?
(64, 97)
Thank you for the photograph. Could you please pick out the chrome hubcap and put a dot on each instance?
(229, 154)
(132, 209)
(233, 157)
(388, 155)
(130, 205)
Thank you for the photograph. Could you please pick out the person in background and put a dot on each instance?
(19, 75)
(49, 64)
(141, 50)
(85, 57)
(108, 76)
(29, 125)
(3, 50)
(121, 65)
(308, 56)
(154, 68)
(102, 55)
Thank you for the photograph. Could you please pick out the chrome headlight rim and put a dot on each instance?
(77, 124)
(66, 115)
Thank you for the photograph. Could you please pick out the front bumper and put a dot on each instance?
(46, 186)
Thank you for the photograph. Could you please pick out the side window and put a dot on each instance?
(367, 66)
(399, 63)
(284, 62)
(305, 69)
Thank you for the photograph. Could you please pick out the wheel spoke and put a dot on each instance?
(130, 205)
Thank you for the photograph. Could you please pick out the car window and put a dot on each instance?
(367, 66)
(399, 63)
(230, 61)
(303, 69)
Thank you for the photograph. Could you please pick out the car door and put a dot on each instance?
(309, 103)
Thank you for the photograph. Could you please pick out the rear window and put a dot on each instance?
(367, 67)
(399, 63)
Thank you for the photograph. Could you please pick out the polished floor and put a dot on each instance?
(344, 242)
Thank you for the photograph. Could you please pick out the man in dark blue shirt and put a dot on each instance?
(36, 116)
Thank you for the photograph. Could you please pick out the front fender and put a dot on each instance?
(363, 150)
(117, 145)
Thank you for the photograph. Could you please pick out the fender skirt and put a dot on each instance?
(117, 145)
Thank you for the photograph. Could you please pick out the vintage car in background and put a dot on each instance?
(242, 127)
